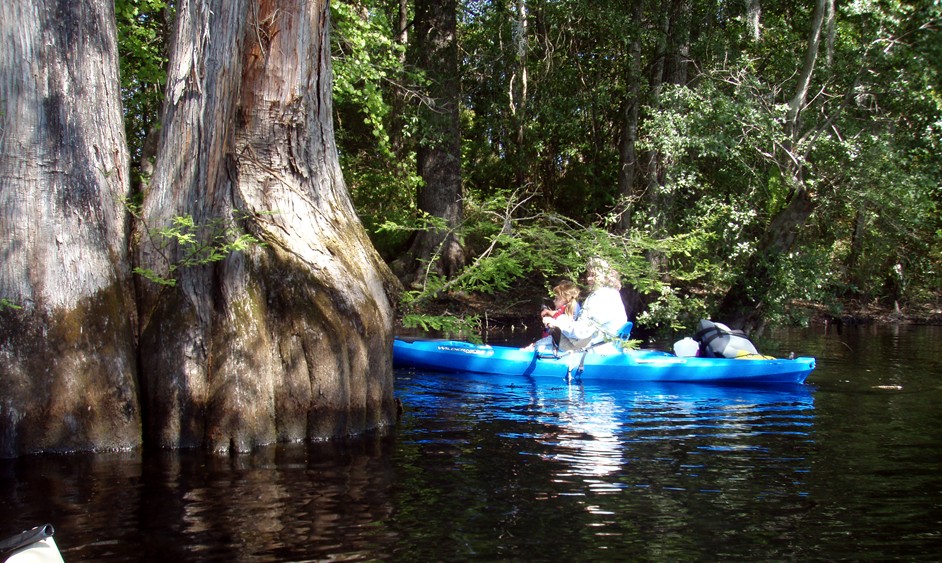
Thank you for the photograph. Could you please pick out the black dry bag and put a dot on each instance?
(719, 341)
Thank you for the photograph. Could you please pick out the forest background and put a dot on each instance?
(735, 160)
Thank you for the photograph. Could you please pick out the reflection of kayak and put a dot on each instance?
(679, 398)
(31, 546)
(592, 365)
(691, 395)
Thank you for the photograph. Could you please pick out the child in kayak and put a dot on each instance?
(566, 308)
(565, 301)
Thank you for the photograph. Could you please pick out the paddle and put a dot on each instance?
(557, 336)
(581, 367)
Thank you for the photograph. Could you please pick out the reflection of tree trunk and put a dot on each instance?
(439, 152)
(744, 305)
(68, 370)
(283, 342)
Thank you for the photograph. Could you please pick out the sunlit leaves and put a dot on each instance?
(184, 243)
(370, 84)
(511, 242)
(143, 29)
(365, 57)
(867, 144)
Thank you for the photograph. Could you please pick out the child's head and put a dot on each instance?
(566, 294)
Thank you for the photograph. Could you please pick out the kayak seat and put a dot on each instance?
(625, 331)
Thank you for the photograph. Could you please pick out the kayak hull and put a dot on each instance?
(630, 365)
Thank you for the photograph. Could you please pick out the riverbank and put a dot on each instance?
(854, 312)
(520, 308)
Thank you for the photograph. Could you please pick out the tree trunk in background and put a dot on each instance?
(797, 103)
(67, 367)
(754, 18)
(439, 151)
(399, 102)
(291, 340)
(518, 93)
(744, 305)
(657, 202)
(830, 26)
(651, 160)
(679, 43)
(628, 170)
(857, 276)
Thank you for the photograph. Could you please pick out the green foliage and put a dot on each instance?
(729, 156)
(716, 162)
(365, 56)
(672, 311)
(558, 139)
(185, 244)
(6, 304)
(511, 244)
(143, 32)
(374, 124)
(447, 324)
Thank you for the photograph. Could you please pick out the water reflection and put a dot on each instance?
(483, 468)
(587, 440)
(590, 432)
(277, 504)
(613, 463)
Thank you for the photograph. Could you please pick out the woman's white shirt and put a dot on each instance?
(603, 310)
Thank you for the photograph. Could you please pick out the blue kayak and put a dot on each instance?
(594, 365)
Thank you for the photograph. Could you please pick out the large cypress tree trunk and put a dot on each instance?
(67, 367)
(287, 341)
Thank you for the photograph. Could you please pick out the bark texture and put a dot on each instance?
(67, 364)
(628, 171)
(745, 303)
(439, 151)
(283, 342)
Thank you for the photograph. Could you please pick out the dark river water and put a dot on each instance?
(847, 467)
